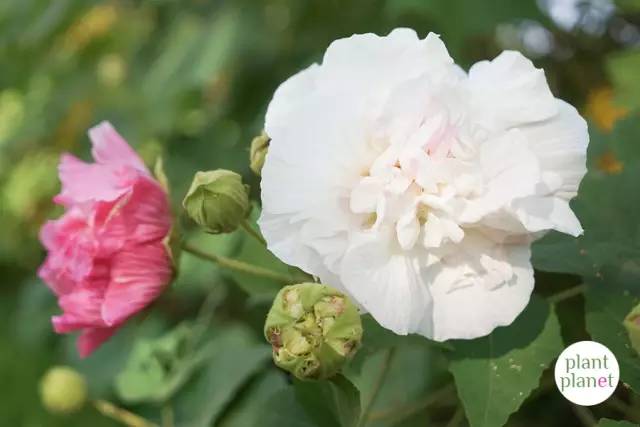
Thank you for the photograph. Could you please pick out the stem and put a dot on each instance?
(252, 232)
(364, 417)
(236, 265)
(585, 416)
(567, 293)
(399, 414)
(458, 416)
(121, 415)
(167, 416)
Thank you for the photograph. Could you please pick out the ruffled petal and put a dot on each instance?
(472, 295)
(110, 148)
(387, 283)
(509, 91)
(139, 274)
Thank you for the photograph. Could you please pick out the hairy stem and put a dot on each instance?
(236, 265)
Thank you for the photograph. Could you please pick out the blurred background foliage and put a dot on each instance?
(189, 80)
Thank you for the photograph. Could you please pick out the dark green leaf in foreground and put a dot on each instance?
(495, 374)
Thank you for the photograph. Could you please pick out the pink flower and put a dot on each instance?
(106, 259)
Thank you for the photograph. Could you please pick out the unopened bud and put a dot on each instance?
(218, 201)
(632, 324)
(258, 152)
(63, 390)
(313, 330)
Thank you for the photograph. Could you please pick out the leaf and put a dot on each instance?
(236, 357)
(495, 374)
(334, 402)
(284, 410)
(248, 409)
(158, 367)
(604, 422)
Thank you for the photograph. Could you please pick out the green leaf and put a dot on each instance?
(284, 410)
(248, 409)
(604, 422)
(334, 402)
(235, 357)
(495, 374)
(158, 367)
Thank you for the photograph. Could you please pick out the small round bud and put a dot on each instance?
(258, 151)
(313, 330)
(632, 324)
(218, 201)
(63, 390)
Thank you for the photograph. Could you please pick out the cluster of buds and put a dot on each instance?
(313, 330)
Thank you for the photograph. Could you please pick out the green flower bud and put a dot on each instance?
(313, 330)
(63, 390)
(218, 201)
(632, 324)
(258, 151)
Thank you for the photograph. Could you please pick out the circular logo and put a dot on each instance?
(587, 373)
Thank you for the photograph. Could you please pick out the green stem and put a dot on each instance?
(377, 386)
(167, 416)
(121, 415)
(567, 293)
(236, 265)
(252, 232)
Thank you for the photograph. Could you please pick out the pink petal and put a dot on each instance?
(139, 274)
(92, 338)
(82, 309)
(110, 148)
(82, 182)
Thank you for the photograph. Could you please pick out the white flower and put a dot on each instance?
(417, 188)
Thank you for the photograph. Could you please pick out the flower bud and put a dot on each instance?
(313, 330)
(258, 151)
(63, 390)
(632, 324)
(218, 201)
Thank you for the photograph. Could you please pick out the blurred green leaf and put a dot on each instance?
(235, 357)
(623, 68)
(334, 402)
(495, 374)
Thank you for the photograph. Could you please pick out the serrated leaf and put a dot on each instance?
(334, 402)
(495, 374)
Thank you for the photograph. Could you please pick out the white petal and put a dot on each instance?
(475, 310)
(364, 197)
(509, 91)
(408, 230)
(547, 213)
(387, 285)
